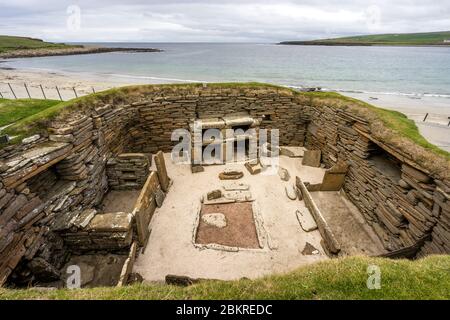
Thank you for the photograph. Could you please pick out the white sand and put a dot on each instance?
(170, 249)
(435, 129)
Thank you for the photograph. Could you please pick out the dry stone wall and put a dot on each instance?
(404, 204)
(50, 179)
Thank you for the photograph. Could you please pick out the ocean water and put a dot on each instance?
(423, 71)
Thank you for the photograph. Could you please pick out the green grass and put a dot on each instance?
(343, 278)
(15, 110)
(10, 43)
(394, 120)
(402, 39)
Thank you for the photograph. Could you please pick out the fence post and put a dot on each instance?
(93, 90)
(426, 116)
(15, 97)
(59, 94)
(74, 91)
(1, 96)
(43, 93)
(28, 92)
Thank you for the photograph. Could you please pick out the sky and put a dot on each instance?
(217, 20)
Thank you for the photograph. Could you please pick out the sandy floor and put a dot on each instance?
(170, 249)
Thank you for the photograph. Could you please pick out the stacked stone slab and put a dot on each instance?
(49, 178)
(90, 230)
(128, 171)
(399, 203)
(167, 109)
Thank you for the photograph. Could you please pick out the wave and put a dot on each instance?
(153, 78)
(392, 93)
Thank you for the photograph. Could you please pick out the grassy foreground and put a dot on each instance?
(402, 39)
(11, 43)
(343, 278)
(15, 110)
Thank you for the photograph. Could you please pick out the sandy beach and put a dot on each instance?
(435, 129)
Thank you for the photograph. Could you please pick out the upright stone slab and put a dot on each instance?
(311, 158)
(164, 179)
(334, 178)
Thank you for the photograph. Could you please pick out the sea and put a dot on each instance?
(408, 71)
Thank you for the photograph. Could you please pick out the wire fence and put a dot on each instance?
(38, 91)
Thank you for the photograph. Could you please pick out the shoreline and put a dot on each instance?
(351, 44)
(435, 129)
(75, 50)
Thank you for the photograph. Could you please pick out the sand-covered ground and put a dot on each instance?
(435, 129)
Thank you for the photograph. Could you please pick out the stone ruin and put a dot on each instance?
(84, 187)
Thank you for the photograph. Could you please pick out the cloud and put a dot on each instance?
(232, 20)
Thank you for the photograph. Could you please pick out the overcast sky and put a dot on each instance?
(217, 20)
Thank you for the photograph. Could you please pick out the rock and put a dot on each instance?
(217, 220)
(238, 195)
(402, 183)
(291, 191)
(4, 138)
(159, 197)
(311, 158)
(291, 152)
(230, 174)
(283, 174)
(253, 168)
(197, 168)
(134, 277)
(31, 139)
(84, 218)
(236, 186)
(215, 194)
(306, 220)
(43, 270)
(183, 281)
(309, 249)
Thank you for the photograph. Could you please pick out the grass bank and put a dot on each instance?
(398, 39)
(11, 43)
(15, 110)
(343, 278)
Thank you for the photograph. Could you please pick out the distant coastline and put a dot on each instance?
(352, 44)
(427, 39)
(25, 47)
(45, 52)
